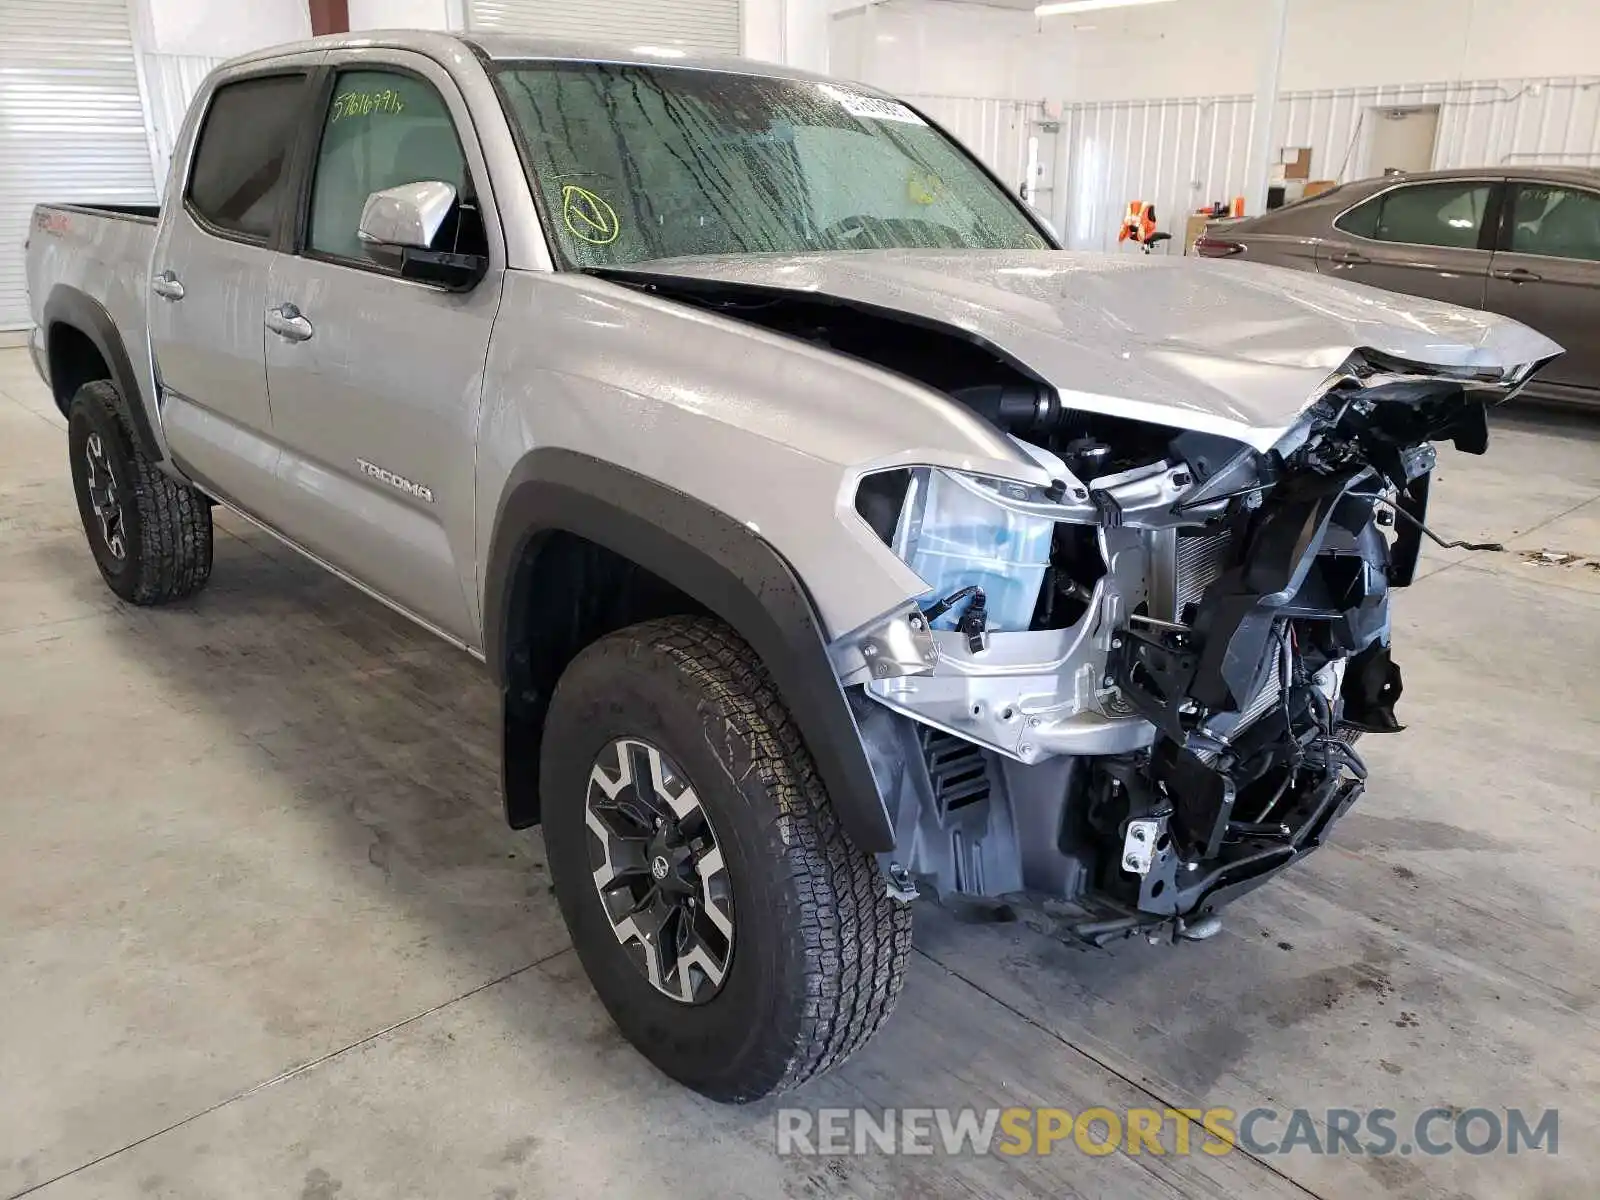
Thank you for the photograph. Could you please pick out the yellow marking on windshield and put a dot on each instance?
(924, 187)
(588, 217)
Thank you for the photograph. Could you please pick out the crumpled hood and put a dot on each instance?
(1237, 349)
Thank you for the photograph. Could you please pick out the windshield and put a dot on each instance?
(635, 163)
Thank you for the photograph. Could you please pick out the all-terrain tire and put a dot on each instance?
(157, 546)
(819, 949)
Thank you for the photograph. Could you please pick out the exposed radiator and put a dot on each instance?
(1201, 560)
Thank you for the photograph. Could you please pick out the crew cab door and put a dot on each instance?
(376, 379)
(1431, 239)
(1547, 274)
(208, 277)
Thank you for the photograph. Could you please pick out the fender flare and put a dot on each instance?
(71, 307)
(719, 563)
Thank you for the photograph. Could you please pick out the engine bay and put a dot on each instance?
(1133, 693)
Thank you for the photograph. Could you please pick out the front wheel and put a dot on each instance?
(735, 935)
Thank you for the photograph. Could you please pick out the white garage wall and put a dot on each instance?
(1154, 102)
(182, 40)
(70, 122)
(406, 14)
(1180, 154)
(1197, 48)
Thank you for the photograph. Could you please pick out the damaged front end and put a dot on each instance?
(1133, 693)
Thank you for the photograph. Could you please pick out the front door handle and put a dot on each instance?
(1351, 258)
(166, 286)
(287, 323)
(1519, 275)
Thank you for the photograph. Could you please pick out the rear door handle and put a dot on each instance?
(166, 286)
(287, 323)
(1351, 258)
(1519, 275)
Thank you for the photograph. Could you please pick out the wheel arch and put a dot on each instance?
(581, 547)
(82, 344)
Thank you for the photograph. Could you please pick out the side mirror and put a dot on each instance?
(399, 225)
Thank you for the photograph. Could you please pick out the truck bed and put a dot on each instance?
(102, 251)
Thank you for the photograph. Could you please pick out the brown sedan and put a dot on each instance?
(1523, 242)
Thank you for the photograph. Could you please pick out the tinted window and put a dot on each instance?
(1433, 214)
(1556, 222)
(1362, 220)
(637, 163)
(237, 180)
(383, 129)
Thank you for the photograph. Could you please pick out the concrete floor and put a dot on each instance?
(263, 933)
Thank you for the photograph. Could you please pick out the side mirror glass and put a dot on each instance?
(401, 224)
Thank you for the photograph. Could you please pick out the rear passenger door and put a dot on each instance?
(208, 276)
(1427, 239)
(376, 379)
(1547, 275)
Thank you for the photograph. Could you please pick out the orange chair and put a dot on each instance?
(1139, 226)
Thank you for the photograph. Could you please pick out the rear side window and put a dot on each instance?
(240, 162)
(1424, 214)
(1361, 220)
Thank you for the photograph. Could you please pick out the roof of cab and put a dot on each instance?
(508, 47)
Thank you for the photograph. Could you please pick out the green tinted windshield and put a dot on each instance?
(635, 163)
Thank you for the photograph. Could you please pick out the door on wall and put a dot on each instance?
(71, 123)
(1402, 140)
(699, 26)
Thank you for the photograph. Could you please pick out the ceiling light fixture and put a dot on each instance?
(1062, 8)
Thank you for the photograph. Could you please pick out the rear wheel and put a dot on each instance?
(735, 935)
(150, 534)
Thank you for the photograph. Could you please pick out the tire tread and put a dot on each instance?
(856, 939)
(172, 560)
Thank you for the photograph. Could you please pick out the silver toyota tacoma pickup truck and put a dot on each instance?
(830, 533)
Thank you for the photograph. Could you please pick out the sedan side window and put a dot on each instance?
(1434, 214)
(1362, 220)
(1556, 222)
(383, 129)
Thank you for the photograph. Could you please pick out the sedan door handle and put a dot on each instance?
(1351, 258)
(166, 286)
(1519, 275)
(287, 323)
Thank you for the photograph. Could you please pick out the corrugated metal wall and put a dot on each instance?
(1180, 154)
(997, 131)
(171, 80)
(72, 125)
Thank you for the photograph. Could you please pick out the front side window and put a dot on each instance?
(382, 129)
(1423, 214)
(637, 163)
(237, 179)
(1556, 222)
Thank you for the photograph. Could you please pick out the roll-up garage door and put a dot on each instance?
(71, 123)
(701, 26)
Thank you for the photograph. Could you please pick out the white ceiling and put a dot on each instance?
(1021, 4)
